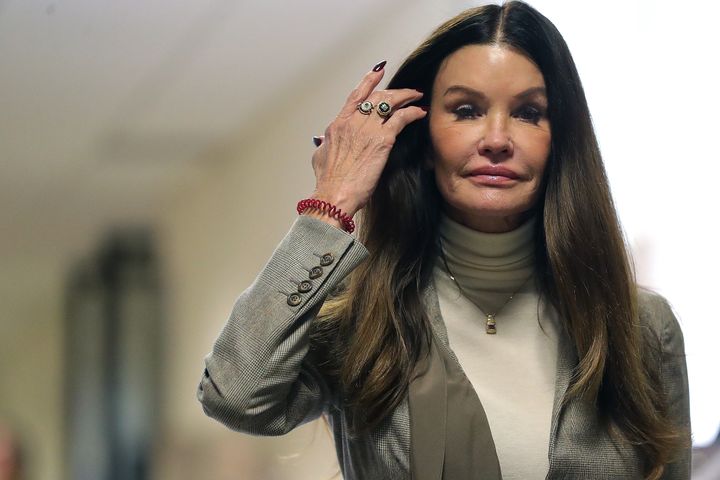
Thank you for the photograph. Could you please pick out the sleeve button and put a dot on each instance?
(327, 259)
(294, 300)
(305, 286)
(316, 272)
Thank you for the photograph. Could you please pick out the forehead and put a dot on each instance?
(489, 67)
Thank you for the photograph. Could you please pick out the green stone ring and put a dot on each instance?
(384, 109)
(365, 107)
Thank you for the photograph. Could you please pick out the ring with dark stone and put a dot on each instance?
(384, 109)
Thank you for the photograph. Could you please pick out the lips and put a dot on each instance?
(494, 171)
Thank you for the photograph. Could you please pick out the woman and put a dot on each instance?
(486, 319)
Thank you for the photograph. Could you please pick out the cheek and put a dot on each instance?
(538, 151)
(451, 146)
(447, 179)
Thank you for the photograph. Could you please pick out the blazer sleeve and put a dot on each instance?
(674, 377)
(258, 378)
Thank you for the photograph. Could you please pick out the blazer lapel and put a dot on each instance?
(429, 398)
(428, 414)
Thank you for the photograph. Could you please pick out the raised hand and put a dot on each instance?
(356, 145)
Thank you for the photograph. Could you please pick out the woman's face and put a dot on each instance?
(490, 136)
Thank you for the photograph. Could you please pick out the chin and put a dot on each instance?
(474, 212)
(493, 209)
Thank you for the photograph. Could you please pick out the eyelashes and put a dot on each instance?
(530, 113)
(464, 112)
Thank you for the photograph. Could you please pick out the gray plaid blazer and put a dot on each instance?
(259, 380)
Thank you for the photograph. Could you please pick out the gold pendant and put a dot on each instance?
(490, 324)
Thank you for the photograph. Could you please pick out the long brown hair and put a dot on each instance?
(373, 332)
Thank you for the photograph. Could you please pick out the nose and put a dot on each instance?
(496, 142)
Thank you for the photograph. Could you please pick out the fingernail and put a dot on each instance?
(424, 108)
(317, 140)
(379, 66)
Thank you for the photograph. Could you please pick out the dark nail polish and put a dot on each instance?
(317, 140)
(424, 108)
(379, 66)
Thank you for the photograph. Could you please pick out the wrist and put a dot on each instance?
(340, 201)
(327, 212)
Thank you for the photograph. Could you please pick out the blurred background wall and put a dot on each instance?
(152, 154)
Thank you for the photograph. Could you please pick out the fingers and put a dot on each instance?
(397, 121)
(403, 117)
(401, 114)
(396, 98)
(364, 88)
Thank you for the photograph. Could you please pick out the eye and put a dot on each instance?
(530, 113)
(465, 111)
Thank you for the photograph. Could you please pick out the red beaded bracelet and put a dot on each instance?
(347, 222)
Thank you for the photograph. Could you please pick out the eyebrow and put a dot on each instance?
(539, 90)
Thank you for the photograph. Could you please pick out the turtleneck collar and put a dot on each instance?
(488, 263)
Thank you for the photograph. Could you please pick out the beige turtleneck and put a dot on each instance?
(513, 371)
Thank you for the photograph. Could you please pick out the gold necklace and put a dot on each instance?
(490, 326)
